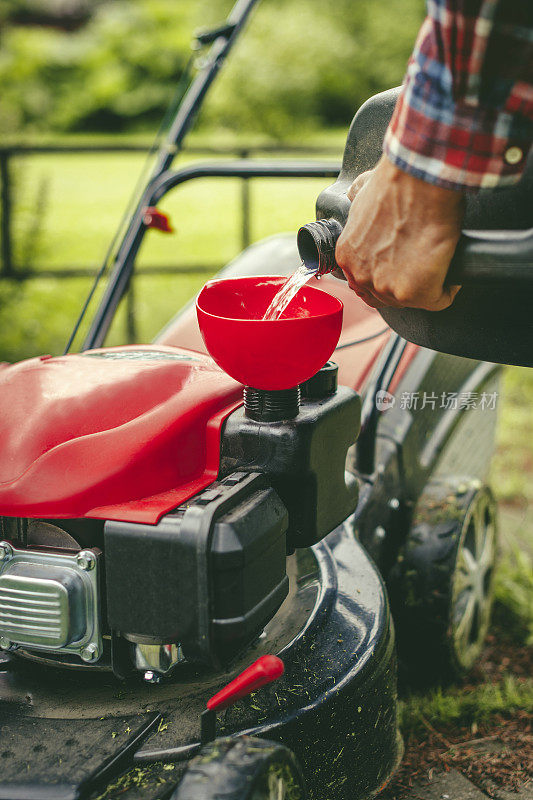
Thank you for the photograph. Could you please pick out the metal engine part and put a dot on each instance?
(49, 601)
(159, 659)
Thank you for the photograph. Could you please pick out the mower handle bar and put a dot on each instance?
(484, 257)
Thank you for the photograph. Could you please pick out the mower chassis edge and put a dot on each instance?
(335, 706)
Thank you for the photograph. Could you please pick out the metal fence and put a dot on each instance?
(10, 270)
(8, 266)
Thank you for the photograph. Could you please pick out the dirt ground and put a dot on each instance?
(496, 755)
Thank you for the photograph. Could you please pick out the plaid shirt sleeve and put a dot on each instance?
(464, 118)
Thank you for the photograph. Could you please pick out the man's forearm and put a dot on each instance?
(464, 119)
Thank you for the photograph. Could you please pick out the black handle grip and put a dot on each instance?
(483, 257)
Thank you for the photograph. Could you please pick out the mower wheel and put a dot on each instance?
(242, 768)
(441, 586)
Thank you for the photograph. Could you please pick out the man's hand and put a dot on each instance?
(399, 239)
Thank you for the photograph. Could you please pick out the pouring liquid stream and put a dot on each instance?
(288, 292)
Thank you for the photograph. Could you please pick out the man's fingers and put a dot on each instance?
(361, 291)
(383, 299)
(352, 191)
(453, 290)
(369, 299)
(377, 295)
(358, 184)
(368, 295)
(432, 303)
(364, 287)
(448, 296)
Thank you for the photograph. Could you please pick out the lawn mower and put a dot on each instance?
(205, 540)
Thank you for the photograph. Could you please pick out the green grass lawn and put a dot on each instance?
(67, 208)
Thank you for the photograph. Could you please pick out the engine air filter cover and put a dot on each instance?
(49, 601)
(41, 605)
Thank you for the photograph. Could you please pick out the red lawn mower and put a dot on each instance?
(205, 540)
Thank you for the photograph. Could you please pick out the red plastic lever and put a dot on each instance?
(153, 218)
(263, 671)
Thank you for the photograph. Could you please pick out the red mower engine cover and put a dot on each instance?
(122, 433)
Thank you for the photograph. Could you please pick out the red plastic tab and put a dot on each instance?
(262, 672)
(153, 218)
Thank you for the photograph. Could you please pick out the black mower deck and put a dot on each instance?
(335, 706)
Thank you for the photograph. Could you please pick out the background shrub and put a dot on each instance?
(302, 63)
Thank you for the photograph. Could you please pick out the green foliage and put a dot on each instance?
(119, 70)
(456, 705)
(302, 63)
(46, 310)
(511, 468)
(299, 63)
(514, 595)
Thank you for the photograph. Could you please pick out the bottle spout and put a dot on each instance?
(316, 244)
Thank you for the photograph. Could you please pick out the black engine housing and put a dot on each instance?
(220, 566)
(305, 460)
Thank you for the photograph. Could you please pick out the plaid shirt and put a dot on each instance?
(464, 118)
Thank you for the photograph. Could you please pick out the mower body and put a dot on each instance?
(149, 527)
(143, 458)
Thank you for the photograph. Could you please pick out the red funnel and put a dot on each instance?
(267, 354)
